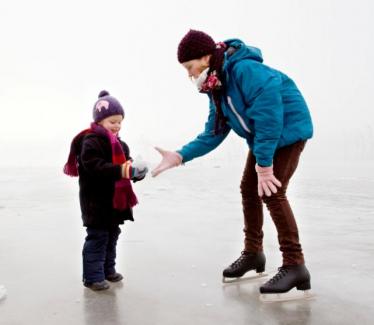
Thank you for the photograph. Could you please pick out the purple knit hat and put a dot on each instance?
(194, 45)
(106, 106)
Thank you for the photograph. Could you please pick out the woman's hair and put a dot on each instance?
(216, 64)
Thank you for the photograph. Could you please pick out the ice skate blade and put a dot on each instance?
(287, 296)
(248, 277)
(2, 292)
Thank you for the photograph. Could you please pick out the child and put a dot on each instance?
(105, 169)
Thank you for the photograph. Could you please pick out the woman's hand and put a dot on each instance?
(169, 160)
(266, 181)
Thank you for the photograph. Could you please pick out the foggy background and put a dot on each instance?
(57, 56)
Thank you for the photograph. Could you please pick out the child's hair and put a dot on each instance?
(106, 106)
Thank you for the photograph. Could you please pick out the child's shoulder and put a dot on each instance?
(90, 135)
(94, 139)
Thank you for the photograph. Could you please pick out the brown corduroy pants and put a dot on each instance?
(284, 163)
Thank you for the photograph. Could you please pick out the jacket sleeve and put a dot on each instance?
(261, 90)
(126, 150)
(95, 161)
(205, 141)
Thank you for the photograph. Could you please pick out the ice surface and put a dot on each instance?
(188, 228)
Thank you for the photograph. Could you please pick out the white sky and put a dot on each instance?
(57, 55)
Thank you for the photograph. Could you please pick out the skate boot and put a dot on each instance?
(287, 278)
(96, 286)
(246, 262)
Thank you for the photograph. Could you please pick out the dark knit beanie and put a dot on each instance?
(194, 45)
(106, 106)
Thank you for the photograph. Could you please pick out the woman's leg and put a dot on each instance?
(252, 208)
(285, 163)
(252, 257)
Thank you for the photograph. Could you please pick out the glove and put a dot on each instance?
(138, 170)
(266, 181)
(169, 160)
(138, 174)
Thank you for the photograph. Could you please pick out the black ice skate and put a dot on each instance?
(246, 262)
(287, 278)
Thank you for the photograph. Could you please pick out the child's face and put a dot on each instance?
(112, 123)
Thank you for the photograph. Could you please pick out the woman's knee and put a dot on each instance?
(275, 199)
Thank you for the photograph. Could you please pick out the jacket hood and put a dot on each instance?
(242, 51)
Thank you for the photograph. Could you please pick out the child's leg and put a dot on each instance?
(94, 251)
(110, 260)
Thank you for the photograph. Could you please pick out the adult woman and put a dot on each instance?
(263, 106)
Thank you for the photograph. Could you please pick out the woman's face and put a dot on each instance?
(196, 66)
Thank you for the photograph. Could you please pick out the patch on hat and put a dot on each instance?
(102, 104)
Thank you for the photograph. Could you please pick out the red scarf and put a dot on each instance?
(124, 196)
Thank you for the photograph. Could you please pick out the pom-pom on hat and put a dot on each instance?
(106, 106)
(194, 45)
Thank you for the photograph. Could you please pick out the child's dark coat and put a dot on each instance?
(97, 177)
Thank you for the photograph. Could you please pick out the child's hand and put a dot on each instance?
(169, 159)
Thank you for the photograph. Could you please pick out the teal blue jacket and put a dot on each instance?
(261, 105)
